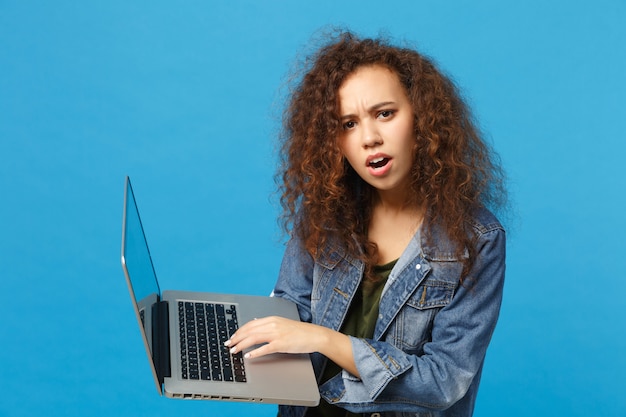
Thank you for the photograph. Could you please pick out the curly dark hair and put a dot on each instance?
(323, 198)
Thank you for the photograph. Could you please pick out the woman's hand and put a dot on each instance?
(281, 335)
(277, 334)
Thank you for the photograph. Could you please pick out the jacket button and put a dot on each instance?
(418, 267)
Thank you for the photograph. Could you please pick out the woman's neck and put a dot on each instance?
(394, 202)
(392, 226)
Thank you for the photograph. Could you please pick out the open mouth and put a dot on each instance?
(378, 162)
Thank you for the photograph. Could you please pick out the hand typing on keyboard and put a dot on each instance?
(278, 334)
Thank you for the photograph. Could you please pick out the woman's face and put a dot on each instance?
(377, 137)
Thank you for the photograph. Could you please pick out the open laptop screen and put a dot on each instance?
(135, 252)
(140, 276)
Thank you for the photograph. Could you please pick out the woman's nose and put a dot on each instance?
(371, 136)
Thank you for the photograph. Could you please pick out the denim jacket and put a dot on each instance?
(431, 336)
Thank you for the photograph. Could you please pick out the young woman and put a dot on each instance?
(394, 261)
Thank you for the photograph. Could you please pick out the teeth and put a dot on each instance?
(377, 160)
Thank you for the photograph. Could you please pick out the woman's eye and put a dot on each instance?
(348, 125)
(385, 114)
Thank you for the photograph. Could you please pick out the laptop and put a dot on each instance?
(184, 332)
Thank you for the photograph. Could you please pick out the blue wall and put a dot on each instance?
(185, 98)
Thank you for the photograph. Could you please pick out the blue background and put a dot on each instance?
(185, 97)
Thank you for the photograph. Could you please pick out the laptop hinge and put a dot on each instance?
(161, 340)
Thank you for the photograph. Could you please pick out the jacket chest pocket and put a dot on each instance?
(413, 325)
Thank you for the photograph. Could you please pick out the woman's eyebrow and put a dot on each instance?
(372, 108)
(380, 105)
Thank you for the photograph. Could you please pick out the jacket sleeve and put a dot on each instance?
(441, 376)
(295, 279)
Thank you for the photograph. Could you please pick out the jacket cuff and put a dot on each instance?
(378, 364)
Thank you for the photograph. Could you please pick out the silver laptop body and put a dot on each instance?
(164, 322)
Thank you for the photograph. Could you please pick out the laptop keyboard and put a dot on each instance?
(204, 327)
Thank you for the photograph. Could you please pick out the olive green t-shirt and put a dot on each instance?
(360, 322)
